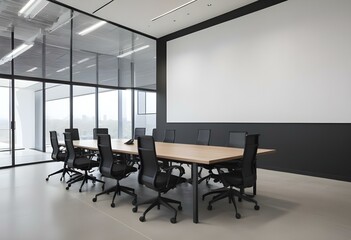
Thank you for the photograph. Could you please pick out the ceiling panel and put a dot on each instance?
(137, 14)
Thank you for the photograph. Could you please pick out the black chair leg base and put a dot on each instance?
(173, 220)
(257, 207)
(142, 219)
(237, 216)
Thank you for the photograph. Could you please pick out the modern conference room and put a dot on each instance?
(183, 119)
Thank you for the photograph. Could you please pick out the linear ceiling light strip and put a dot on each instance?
(173, 10)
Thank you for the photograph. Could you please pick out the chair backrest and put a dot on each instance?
(54, 145)
(148, 161)
(71, 155)
(154, 134)
(74, 133)
(248, 161)
(237, 139)
(169, 136)
(139, 132)
(97, 131)
(106, 154)
(203, 137)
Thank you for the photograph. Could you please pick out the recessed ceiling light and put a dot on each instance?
(91, 28)
(133, 51)
(83, 60)
(90, 66)
(32, 69)
(62, 69)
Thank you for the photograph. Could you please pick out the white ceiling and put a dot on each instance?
(137, 14)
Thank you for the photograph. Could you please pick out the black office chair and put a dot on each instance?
(58, 155)
(81, 162)
(203, 138)
(154, 134)
(156, 179)
(237, 140)
(169, 138)
(131, 159)
(139, 132)
(113, 169)
(75, 136)
(244, 178)
(74, 133)
(97, 131)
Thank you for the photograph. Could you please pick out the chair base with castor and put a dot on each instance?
(229, 193)
(158, 202)
(84, 178)
(65, 170)
(117, 189)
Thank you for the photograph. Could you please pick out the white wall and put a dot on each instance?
(287, 63)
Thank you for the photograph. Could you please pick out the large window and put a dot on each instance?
(59, 62)
(57, 110)
(29, 122)
(108, 111)
(145, 114)
(84, 111)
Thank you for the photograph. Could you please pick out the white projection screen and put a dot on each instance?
(290, 63)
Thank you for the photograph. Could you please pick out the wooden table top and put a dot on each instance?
(188, 153)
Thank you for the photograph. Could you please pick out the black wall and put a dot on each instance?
(322, 150)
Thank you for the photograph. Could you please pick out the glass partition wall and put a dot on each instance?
(60, 69)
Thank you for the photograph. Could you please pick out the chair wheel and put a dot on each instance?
(238, 216)
(94, 199)
(135, 209)
(180, 208)
(67, 188)
(209, 207)
(134, 202)
(257, 207)
(47, 179)
(142, 219)
(113, 205)
(69, 185)
(80, 190)
(173, 220)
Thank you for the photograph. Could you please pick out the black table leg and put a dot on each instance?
(194, 175)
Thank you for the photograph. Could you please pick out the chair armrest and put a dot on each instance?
(169, 173)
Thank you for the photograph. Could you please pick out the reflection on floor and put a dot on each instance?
(23, 156)
(292, 207)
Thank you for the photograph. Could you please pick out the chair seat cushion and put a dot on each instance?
(61, 156)
(235, 179)
(161, 181)
(119, 169)
(85, 163)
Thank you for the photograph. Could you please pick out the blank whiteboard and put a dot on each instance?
(290, 63)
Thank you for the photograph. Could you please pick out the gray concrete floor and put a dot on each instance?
(292, 207)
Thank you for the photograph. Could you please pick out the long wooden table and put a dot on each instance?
(186, 153)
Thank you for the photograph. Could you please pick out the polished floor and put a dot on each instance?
(23, 156)
(292, 207)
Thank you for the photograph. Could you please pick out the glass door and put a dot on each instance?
(29, 146)
(5, 123)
